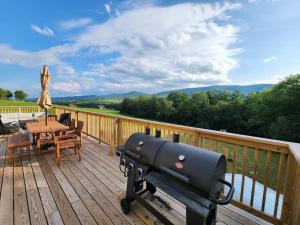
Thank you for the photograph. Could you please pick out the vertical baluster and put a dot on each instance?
(234, 164)
(279, 182)
(87, 124)
(209, 143)
(266, 180)
(254, 176)
(226, 150)
(245, 159)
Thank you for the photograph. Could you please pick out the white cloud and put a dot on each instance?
(74, 84)
(156, 48)
(108, 9)
(9, 55)
(180, 46)
(75, 23)
(46, 31)
(274, 80)
(270, 59)
(258, 1)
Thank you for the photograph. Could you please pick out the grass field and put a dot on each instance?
(104, 111)
(4, 102)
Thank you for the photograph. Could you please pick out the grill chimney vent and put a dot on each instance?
(176, 137)
(158, 133)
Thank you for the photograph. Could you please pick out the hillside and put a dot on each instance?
(244, 89)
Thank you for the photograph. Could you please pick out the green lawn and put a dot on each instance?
(105, 111)
(4, 102)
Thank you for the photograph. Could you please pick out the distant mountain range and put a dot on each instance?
(244, 89)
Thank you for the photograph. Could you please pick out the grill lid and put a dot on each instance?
(200, 168)
(143, 147)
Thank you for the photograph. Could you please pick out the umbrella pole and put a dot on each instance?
(46, 116)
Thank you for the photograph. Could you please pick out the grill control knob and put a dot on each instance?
(139, 171)
(130, 166)
(181, 158)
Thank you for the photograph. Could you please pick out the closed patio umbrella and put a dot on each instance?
(44, 100)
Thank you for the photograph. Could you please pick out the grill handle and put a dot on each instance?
(175, 174)
(134, 155)
(119, 151)
(229, 196)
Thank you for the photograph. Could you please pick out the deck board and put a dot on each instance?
(81, 192)
(7, 193)
(36, 211)
(21, 214)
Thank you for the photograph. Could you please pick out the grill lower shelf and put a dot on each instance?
(183, 195)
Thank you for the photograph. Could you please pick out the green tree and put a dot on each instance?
(5, 94)
(20, 95)
(275, 113)
(196, 111)
(9, 94)
(177, 98)
(2, 93)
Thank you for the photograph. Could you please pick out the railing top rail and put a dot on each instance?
(22, 106)
(294, 147)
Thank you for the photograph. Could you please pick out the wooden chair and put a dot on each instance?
(20, 142)
(78, 130)
(72, 127)
(65, 119)
(63, 142)
(72, 139)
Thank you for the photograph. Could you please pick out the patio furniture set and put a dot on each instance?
(62, 134)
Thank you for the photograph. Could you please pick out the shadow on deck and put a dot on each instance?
(86, 192)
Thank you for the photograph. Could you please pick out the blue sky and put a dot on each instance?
(101, 47)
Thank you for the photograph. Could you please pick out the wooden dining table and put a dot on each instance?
(38, 128)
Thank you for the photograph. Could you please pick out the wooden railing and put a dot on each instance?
(265, 172)
(20, 109)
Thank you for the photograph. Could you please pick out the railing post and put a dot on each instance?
(76, 117)
(113, 137)
(291, 203)
(87, 124)
(119, 125)
(100, 133)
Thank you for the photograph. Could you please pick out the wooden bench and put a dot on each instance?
(18, 141)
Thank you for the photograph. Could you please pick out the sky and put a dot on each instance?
(99, 47)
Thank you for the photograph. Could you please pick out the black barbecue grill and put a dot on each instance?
(193, 176)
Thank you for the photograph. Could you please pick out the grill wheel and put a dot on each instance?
(150, 187)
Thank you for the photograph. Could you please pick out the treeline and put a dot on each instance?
(18, 94)
(272, 113)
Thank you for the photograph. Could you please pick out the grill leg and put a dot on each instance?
(130, 186)
(193, 218)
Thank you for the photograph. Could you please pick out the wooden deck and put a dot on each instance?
(86, 192)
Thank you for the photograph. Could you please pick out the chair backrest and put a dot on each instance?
(72, 125)
(1, 124)
(2, 128)
(80, 125)
(65, 119)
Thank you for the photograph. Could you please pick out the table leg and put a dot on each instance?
(28, 148)
(38, 143)
(10, 155)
